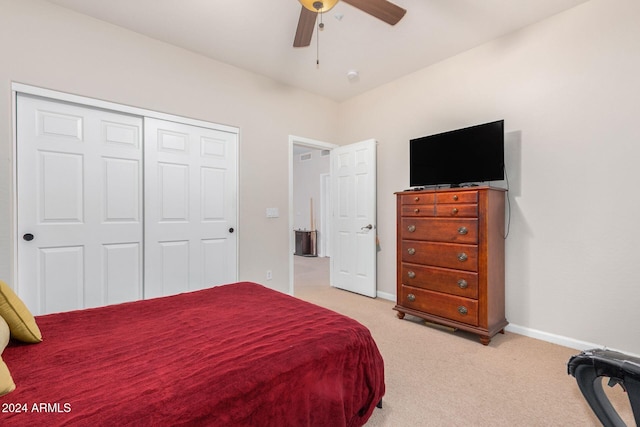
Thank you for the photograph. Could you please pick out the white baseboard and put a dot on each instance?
(386, 295)
(534, 333)
(558, 339)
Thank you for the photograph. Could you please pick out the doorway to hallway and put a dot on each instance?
(311, 215)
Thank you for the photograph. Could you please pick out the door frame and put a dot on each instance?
(107, 105)
(311, 143)
(324, 249)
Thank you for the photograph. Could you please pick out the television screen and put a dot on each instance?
(462, 156)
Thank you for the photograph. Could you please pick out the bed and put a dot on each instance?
(232, 355)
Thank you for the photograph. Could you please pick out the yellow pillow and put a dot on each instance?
(20, 320)
(6, 382)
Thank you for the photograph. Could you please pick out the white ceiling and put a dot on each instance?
(258, 35)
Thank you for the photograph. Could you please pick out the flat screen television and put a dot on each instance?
(458, 157)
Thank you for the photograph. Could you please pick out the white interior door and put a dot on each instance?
(79, 203)
(190, 202)
(353, 246)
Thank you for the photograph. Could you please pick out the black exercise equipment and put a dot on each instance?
(588, 366)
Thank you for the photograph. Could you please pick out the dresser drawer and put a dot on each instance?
(418, 210)
(418, 199)
(457, 197)
(455, 282)
(448, 255)
(440, 229)
(461, 210)
(452, 307)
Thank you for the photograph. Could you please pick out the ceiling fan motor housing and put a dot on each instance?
(381, 9)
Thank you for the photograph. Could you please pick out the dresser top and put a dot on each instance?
(445, 190)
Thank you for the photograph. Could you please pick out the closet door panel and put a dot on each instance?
(190, 201)
(122, 271)
(79, 203)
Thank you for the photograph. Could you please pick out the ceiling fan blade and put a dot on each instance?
(381, 9)
(306, 24)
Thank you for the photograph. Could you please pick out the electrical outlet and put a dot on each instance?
(269, 275)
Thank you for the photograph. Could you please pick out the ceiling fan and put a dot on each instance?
(381, 9)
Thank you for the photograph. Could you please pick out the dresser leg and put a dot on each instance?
(400, 315)
(485, 340)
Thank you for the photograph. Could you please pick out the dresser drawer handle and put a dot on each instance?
(462, 310)
(411, 251)
(455, 197)
(416, 199)
(463, 230)
(462, 284)
(411, 297)
(411, 274)
(454, 211)
(411, 228)
(416, 210)
(462, 257)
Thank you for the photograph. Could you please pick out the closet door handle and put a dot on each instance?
(231, 230)
(28, 237)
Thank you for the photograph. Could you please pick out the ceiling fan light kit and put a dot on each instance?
(318, 6)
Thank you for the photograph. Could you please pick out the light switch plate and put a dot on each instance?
(273, 213)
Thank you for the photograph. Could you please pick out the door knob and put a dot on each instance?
(28, 237)
(231, 230)
(368, 227)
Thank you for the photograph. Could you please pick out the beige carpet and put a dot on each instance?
(436, 377)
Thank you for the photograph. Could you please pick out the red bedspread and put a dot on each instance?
(231, 355)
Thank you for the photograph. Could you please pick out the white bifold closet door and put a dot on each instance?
(113, 207)
(79, 188)
(190, 202)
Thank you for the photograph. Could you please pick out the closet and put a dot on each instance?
(114, 206)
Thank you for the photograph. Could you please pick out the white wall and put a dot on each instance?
(569, 91)
(48, 46)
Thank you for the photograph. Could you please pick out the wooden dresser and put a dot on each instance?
(450, 257)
